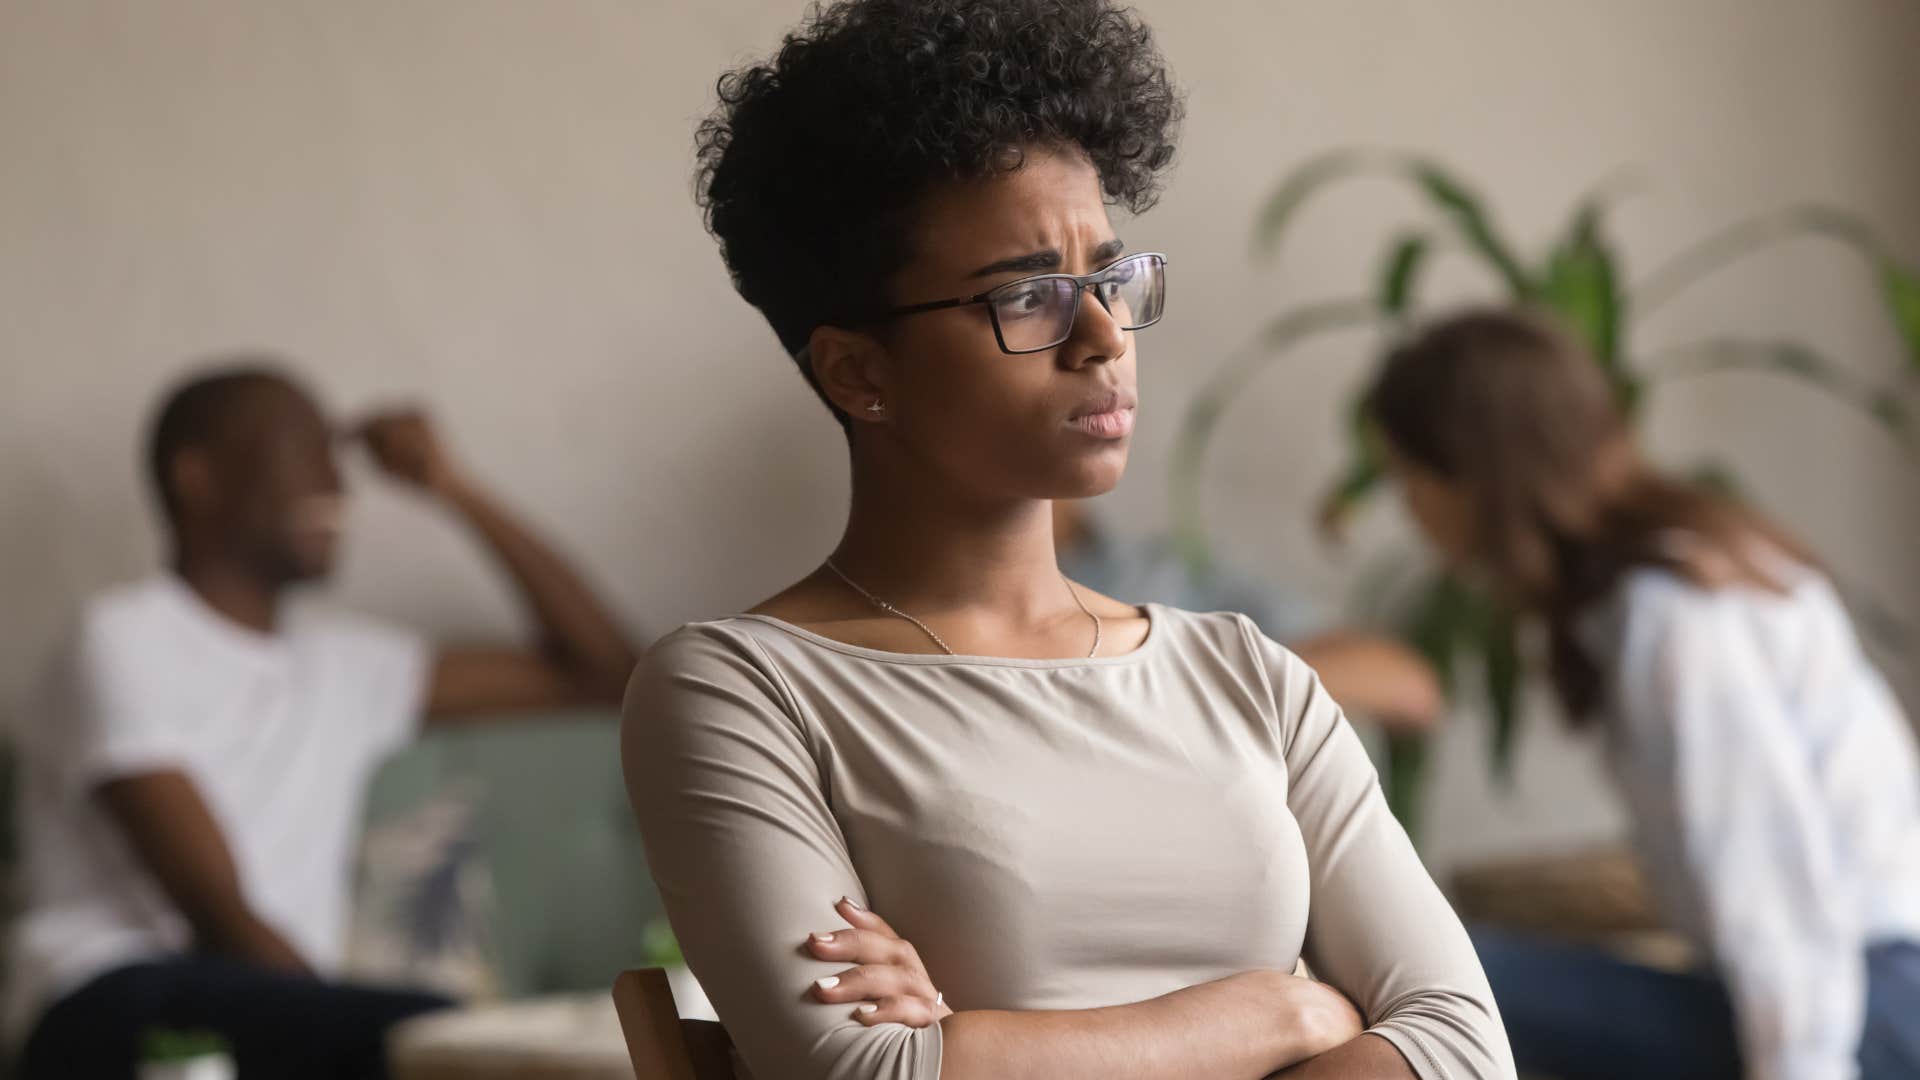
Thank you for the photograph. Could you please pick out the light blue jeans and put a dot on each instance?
(1578, 1013)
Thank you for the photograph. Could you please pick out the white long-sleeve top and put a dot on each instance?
(1775, 791)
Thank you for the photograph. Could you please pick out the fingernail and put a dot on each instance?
(827, 983)
(868, 1009)
(852, 903)
(824, 939)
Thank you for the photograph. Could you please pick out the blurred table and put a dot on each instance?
(1598, 896)
(575, 1037)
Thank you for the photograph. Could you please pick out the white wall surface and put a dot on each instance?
(485, 205)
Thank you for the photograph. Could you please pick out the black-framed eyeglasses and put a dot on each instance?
(1036, 313)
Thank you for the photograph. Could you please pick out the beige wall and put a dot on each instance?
(484, 205)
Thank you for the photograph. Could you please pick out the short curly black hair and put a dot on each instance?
(810, 167)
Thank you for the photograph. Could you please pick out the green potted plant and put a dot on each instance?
(662, 950)
(166, 1054)
(1581, 278)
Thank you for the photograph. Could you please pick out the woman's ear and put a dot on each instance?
(852, 370)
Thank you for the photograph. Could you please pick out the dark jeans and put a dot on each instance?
(1579, 1013)
(278, 1025)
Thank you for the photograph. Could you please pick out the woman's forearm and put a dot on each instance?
(1244, 1026)
(1376, 678)
(1365, 1057)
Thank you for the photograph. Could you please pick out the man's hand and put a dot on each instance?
(888, 985)
(262, 944)
(579, 654)
(406, 447)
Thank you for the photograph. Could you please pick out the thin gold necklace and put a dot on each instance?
(937, 640)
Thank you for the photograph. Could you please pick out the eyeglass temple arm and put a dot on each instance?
(939, 305)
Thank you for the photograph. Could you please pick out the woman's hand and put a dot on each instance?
(1377, 678)
(888, 984)
(1321, 1016)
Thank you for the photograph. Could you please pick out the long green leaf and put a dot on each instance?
(1902, 289)
(1458, 203)
(1791, 360)
(1891, 410)
(1358, 479)
(1187, 468)
(1899, 285)
(1500, 646)
(1718, 477)
(1718, 250)
(1406, 779)
(1364, 472)
(1450, 621)
(1441, 620)
(1302, 183)
(1453, 198)
(1404, 261)
(1582, 287)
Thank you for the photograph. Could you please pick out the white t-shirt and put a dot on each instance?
(279, 733)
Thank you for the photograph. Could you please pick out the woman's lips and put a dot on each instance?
(1115, 423)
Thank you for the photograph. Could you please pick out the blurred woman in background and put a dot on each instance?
(1770, 774)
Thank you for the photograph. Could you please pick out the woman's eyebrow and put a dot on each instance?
(1041, 262)
(1038, 262)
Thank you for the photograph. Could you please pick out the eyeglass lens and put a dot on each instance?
(1039, 314)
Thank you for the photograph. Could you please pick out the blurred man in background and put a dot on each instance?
(1371, 676)
(195, 764)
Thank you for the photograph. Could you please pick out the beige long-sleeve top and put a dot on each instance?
(1050, 834)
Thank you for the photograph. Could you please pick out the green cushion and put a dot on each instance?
(571, 890)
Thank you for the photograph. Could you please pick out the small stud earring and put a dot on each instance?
(876, 407)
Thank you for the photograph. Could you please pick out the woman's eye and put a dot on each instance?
(1023, 301)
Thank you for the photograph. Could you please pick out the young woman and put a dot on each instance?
(1770, 774)
(1108, 832)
